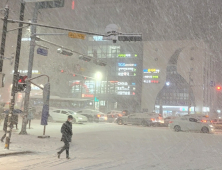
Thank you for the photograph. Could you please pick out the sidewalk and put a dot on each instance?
(29, 144)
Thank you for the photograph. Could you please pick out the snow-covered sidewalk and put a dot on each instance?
(101, 146)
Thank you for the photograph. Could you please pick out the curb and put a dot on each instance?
(16, 153)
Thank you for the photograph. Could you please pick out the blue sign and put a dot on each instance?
(45, 115)
(126, 65)
(212, 83)
(42, 51)
(98, 38)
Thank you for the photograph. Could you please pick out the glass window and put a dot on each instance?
(64, 112)
(57, 111)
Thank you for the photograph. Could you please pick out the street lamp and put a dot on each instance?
(98, 77)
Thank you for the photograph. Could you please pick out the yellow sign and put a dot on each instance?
(77, 35)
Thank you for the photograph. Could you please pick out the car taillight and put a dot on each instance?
(98, 115)
(170, 121)
(119, 115)
(152, 119)
(204, 121)
(160, 118)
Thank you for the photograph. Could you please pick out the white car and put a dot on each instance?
(190, 123)
(61, 115)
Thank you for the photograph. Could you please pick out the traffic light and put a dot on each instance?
(21, 83)
(64, 52)
(218, 88)
(62, 71)
(85, 58)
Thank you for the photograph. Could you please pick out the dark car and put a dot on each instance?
(135, 119)
(93, 115)
(168, 119)
(113, 115)
(217, 123)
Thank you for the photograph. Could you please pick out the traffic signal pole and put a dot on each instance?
(30, 64)
(4, 31)
(15, 76)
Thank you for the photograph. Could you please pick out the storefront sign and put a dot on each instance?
(126, 74)
(126, 55)
(151, 81)
(151, 70)
(127, 69)
(87, 95)
(126, 65)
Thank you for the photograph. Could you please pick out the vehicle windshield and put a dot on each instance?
(71, 112)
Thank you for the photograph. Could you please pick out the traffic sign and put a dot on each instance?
(42, 51)
(77, 35)
(212, 83)
(51, 4)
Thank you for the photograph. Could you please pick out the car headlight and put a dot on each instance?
(211, 125)
(79, 118)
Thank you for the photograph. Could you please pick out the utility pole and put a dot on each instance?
(15, 76)
(4, 31)
(30, 64)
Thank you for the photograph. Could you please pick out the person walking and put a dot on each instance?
(5, 128)
(66, 131)
(1, 112)
(30, 116)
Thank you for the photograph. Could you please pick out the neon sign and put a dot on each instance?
(151, 77)
(126, 69)
(151, 81)
(126, 65)
(87, 95)
(126, 74)
(122, 83)
(98, 38)
(151, 70)
(126, 55)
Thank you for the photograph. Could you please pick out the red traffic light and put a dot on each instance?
(21, 84)
(22, 79)
(218, 87)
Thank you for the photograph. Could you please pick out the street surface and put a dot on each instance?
(100, 146)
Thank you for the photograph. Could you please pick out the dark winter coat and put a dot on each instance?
(5, 123)
(66, 131)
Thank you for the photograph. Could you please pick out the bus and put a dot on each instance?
(75, 104)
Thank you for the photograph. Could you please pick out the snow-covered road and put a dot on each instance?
(102, 146)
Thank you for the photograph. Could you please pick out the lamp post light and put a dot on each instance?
(98, 77)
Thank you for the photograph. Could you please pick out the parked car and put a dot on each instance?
(113, 115)
(157, 119)
(93, 115)
(168, 119)
(190, 123)
(135, 119)
(61, 115)
(217, 123)
(125, 113)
